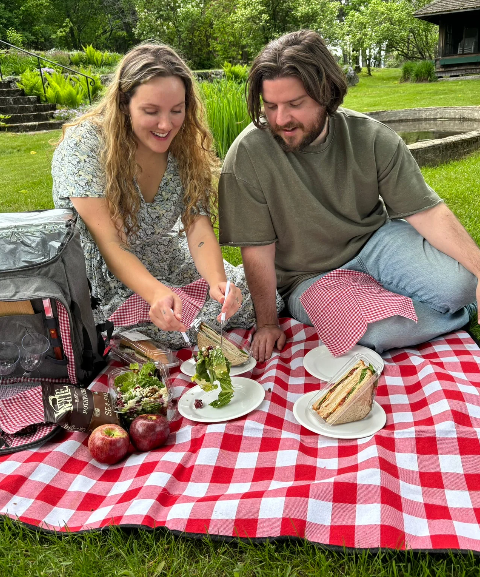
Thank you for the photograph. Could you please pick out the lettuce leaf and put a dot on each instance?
(212, 368)
(144, 377)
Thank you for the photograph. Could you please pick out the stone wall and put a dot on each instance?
(439, 151)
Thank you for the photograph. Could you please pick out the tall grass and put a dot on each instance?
(226, 111)
(423, 71)
(237, 73)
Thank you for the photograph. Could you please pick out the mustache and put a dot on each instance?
(289, 126)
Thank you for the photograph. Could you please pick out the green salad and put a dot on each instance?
(212, 371)
(140, 391)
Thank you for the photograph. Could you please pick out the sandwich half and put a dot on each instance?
(207, 337)
(350, 398)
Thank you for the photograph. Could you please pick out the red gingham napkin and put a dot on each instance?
(343, 302)
(135, 310)
(23, 409)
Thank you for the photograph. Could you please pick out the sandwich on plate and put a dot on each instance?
(350, 398)
(208, 337)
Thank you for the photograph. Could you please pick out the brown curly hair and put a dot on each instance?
(191, 147)
(302, 54)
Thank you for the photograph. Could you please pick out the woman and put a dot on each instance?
(130, 168)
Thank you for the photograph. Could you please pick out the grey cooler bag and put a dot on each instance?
(44, 289)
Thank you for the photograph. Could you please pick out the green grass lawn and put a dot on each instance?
(26, 185)
(140, 553)
(25, 168)
(384, 91)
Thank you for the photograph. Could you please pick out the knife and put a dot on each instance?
(185, 336)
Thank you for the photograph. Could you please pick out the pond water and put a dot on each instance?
(412, 131)
(421, 135)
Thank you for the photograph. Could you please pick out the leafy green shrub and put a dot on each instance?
(63, 90)
(235, 73)
(77, 58)
(2, 118)
(424, 72)
(15, 63)
(31, 84)
(95, 89)
(14, 37)
(59, 56)
(226, 111)
(111, 58)
(407, 71)
(93, 57)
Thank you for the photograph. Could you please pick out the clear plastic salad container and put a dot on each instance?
(141, 389)
(135, 347)
(350, 407)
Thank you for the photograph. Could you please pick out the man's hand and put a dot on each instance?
(265, 339)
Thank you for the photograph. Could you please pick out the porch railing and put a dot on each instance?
(90, 81)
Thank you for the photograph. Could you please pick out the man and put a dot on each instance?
(309, 188)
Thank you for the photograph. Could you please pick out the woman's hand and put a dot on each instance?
(233, 302)
(166, 311)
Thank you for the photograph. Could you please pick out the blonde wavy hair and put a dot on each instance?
(191, 147)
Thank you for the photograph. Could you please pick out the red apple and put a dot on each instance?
(108, 444)
(149, 431)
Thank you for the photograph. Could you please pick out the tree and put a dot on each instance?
(389, 26)
(104, 23)
(261, 21)
(185, 25)
(29, 18)
(411, 38)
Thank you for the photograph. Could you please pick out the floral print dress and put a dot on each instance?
(78, 172)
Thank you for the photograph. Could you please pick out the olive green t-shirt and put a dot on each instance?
(320, 205)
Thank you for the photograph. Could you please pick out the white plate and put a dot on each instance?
(188, 367)
(372, 423)
(320, 362)
(247, 396)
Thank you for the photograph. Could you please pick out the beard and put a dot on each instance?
(309, 136)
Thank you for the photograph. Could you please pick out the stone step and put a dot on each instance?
(7, 100)
(25, 108)
(5, 84)
(10, 92)
(33, 126)
(29, 117)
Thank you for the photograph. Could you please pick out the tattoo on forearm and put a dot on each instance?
(201, 244)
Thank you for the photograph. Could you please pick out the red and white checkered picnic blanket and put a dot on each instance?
(343, 302)
(414, 484)
(135, 310)
(21, 410)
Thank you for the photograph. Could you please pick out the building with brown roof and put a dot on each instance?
(459, 25)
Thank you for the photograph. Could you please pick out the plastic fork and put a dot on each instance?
(222, 318)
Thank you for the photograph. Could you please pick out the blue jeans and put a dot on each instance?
(403, 262)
